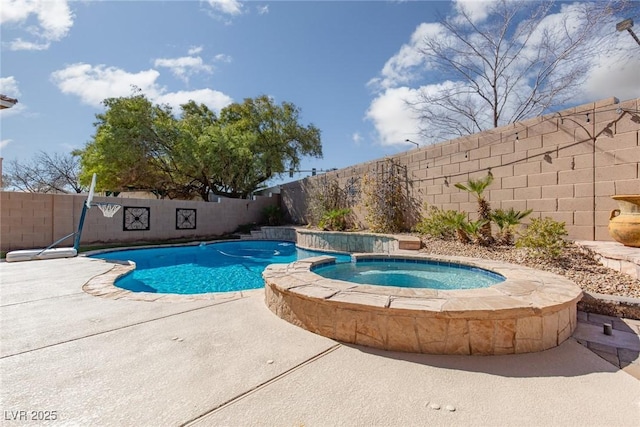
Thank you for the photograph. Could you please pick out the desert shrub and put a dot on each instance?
(336, 220)
(272, 215)
(440, 223)
(543, 238)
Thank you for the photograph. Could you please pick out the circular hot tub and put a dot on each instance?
(409, 273)
(530, 310)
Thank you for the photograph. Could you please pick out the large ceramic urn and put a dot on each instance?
(624, 222)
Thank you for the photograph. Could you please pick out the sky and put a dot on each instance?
(348, 65)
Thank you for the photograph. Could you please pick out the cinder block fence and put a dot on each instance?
(565, 165)
(30, 220)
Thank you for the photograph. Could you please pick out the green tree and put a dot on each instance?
(268, 141)
(200, 149)
(131, 147)
(145, 146)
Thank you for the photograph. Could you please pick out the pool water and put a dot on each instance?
(411, 274)
(215, 267)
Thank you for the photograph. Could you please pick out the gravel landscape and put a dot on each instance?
(577, 264)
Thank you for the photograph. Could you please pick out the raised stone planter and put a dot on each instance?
(277, 233)
(355, 241)
(339, 241)
(531, 311)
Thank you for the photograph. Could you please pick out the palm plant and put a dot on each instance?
(473, 230)
(458, 221)
(507, 222)
(477, 187)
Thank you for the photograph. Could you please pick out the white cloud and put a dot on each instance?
(477, 10)
(92, 84)
(392, 118)
(611, 60)
(211, 98)
(221, 57)
(54, 17)
(19, 44)
(614, 76)
(356, 138)
(5, 142)
(17, 109)
(407, 65)
(9, 87)
(229, 7)
(185, 66)
(194, 50)
(263, 10)
(554, 24)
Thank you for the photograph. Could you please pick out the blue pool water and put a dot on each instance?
(215, 267)
(411, 274)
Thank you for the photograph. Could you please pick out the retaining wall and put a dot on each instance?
(337, 241)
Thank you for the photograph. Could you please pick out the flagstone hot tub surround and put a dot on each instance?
(530, 311)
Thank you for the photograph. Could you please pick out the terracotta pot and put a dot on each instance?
(624, 223)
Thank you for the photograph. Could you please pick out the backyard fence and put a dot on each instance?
(565, 165)
(32, 220)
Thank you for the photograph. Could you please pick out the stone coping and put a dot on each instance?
(104, 286)
(531, 310)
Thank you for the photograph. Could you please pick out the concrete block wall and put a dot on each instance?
(565, 165)
(30, 220)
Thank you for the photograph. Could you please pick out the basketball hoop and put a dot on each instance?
(108, 209)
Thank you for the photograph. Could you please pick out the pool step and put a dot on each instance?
(255, 235)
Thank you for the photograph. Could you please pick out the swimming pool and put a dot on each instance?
(410, 273)
(215, 267)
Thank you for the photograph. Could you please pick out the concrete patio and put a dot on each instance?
(100, 361)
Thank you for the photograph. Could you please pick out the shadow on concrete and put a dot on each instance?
(570, 359)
